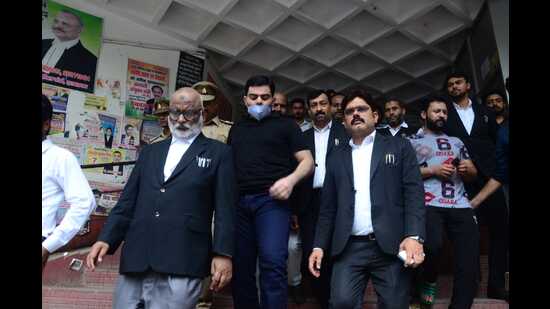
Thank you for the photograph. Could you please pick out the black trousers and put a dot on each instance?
(308, 223)
(461, 228)
(360, 261)
(493, 213)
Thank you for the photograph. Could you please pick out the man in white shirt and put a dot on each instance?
(476, 126)
(164, 216)
(372, 208)
(62, 180)
(394, 113)
(325, 136)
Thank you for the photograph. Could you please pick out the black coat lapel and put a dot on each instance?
(348, 164)
(331, 136)
(378, 151)
(189, 156)
(162, 153)
(478, 118)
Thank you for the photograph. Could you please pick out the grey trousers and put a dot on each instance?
(159, 291)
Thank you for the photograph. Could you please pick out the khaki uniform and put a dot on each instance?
(217, 129)
(160, 138)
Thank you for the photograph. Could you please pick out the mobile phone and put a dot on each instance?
(455, 162)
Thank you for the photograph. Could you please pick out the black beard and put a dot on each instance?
(499, 112)
(395, 123)
(436, 126)
(459, 96)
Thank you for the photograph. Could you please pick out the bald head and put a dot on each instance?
(186, 97)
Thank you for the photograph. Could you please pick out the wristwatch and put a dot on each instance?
(417, 238)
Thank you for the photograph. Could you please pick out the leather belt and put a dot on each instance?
(368, 237)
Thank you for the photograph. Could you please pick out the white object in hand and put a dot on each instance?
(403, 256)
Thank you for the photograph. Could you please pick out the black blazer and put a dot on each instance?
(481, 141)
(338, 136)
(396, 191)
(167, 225)
(76, 59)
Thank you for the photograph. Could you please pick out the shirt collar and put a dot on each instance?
(66, 44)
(366, 141)
(327, 127)
(215, 121)
(46, 144)
(402, 125)
(463, 108)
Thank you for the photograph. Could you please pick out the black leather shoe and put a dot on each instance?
(297, 294)
(497, 293)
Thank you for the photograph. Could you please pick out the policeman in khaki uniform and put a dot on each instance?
(217, 129)
(161, 111)
(214, 127)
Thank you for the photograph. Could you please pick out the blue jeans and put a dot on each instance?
(262, 232)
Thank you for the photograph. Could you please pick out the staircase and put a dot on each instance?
(63, 288)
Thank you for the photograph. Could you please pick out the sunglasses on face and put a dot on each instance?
(188, 115)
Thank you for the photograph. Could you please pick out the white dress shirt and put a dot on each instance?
(305, 125)
(466, 114)
(361, 156)
(63, 180)
(178, 147)
(321, 146)
(55, 52)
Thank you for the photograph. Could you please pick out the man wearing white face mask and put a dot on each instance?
(265, 148)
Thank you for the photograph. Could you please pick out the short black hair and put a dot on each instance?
(362, 94)
(298, 100)
(457, 74)
(336, 94)
(425, 104)
(386, 100)
(47, 109)
(116, 151)
(127, 126)
(259, 80)
(157, 86)
(315, 93)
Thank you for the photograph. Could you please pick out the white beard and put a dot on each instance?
(192, 130)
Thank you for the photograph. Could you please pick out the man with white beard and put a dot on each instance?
(165, 212)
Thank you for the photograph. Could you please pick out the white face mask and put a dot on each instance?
(190, 131)
(259, 112)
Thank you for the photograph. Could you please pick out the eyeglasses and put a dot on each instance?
(359, 109)
(264, 97)
(188, 115)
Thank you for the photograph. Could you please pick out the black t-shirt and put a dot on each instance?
(264, 150)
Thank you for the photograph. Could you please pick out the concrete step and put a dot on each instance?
(57, 297)
(98, 298)
(106, 276)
